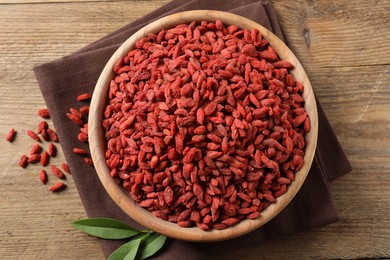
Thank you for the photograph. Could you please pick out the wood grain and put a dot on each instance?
(332, 33)
(349, 73)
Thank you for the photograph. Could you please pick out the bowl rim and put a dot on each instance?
(97, 140)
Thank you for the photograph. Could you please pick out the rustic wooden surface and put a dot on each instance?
(345, 49)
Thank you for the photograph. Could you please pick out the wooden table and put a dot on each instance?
(349, 72)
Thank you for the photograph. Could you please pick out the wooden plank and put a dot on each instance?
(337, 33)
(351, 80)
(59, 1)
(362, 231)
(53, 34)
(36, 223)
(27, 40)
(333, 42)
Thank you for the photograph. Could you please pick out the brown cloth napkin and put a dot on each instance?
(62, 80)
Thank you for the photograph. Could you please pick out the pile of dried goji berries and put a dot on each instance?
(204, 125)
(39, 155)
(37, 152)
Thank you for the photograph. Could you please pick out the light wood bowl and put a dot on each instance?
(97, 140)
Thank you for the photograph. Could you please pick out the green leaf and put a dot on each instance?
(152, 245)
(147, 231)
(127, 251)
(144, 243)
(105, 228)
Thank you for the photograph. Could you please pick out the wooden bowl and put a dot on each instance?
(97, 140)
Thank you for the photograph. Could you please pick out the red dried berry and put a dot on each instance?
(42, 125)
(45, 135)
(23, 161)
(11, 135)
(84, 129)
(84, 110)
(52, 135)
(59, 186)
(36, 149)
(34, 158)
(79, 151)
(77, 120)
(52, 150)
(57, 172)
(65, 167)
(45, 158)
(43, 113)
(43, 176)
(82, 137)
(84, 97)
(76, 112)
(33, 135)
(88, 161)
